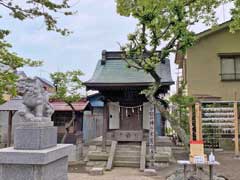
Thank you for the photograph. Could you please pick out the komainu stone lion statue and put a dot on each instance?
(35, 101)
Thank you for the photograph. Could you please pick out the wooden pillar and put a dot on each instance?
(236, 129)
(198, 113)
(200, 121)
(104, 133)
(190, 122)
(10, 117)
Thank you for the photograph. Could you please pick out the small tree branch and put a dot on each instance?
(143, 37)
(68, 124)
(132, 65)
(156, 77)
(155, 43)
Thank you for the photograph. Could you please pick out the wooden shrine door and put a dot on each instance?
(131, 118)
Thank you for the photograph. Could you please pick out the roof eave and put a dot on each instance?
(213, 30)
(205, 33)
(93, 85)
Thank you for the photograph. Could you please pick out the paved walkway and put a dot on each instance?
(115, 174)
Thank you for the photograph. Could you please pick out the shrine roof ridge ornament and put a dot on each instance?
(117, 55)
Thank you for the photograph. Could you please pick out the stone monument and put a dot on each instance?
(151, 171)
(36, 154)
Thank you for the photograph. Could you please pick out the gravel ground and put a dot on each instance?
(229, 168)
(115, 174)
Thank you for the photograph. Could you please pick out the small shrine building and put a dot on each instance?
(126, 110)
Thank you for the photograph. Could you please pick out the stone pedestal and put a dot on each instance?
(45, 164)
(35, 138)
(35, 155)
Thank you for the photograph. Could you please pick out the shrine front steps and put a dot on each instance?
(127, 156)
(128, 147)
(133, 158)
(132, 164)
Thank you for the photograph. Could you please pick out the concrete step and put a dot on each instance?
(164, 150)
(164, 141)
(135, 164)
(126, 158)
(165, 144)
(127, 153)
(97, 156)
(163, 138)
(128, 148)
(160, 158)
(176, 148)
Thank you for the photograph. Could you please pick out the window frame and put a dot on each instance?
(233, 56)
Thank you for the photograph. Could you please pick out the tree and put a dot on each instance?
(10, 61)
(47, 9)
(164, 25)
(68, 86)
(181, 104)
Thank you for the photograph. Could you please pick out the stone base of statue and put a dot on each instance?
(45, 164)
(35, 138)
(35, 155)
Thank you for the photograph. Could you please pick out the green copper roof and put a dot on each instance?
(115, 71)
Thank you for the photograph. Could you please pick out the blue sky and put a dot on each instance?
(96, 26)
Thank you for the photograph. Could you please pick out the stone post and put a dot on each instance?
(152, 136)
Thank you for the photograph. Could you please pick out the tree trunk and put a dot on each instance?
(68, 125)
(150, 95)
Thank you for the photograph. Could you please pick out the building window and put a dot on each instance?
(230, 67)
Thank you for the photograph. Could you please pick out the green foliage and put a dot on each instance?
(165, 25)
(30, 9)
(68, 86)
(47, 9)
(235, 24)
(9, 63)
(182, 100)
(181, 103)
